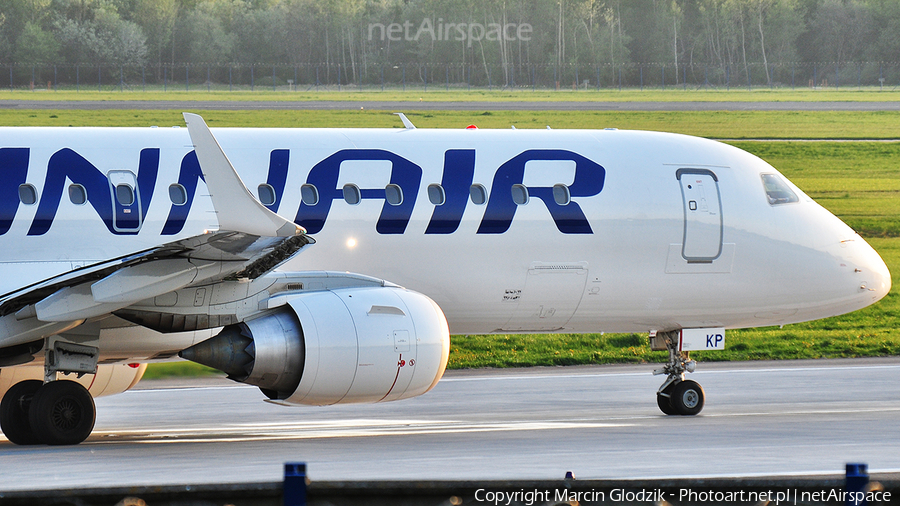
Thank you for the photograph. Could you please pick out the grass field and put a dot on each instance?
(858, 181)
(842, 125)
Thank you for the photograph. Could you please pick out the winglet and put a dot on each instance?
(406, 122)
(236, 208)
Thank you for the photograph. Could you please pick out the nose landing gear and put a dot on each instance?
(676, 396)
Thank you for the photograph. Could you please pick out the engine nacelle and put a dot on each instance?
(110, 378)
(339, 346)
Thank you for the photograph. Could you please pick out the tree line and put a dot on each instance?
(721, 39)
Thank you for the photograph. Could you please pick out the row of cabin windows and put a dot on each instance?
(777, 191)
(308, 194)
(78, 194)
(436, 195)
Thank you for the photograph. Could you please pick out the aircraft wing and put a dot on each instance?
(251, 241)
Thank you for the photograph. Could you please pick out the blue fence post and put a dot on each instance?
(857, 481)
(294, 489)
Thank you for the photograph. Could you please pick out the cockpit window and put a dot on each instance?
(777, 190)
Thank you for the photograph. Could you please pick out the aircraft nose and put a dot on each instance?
(871, 271)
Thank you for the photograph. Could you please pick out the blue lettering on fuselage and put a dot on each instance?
(13, 171)
(324, 176)
(188, 176)
(569, 219)
(66, 163)
(459, 171)
(457, 178)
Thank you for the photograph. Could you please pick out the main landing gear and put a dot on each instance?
(53, 412)
(676, 396)
(56, 413)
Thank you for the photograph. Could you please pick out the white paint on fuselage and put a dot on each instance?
(788, 263)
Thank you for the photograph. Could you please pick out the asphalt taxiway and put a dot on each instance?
(801, 418)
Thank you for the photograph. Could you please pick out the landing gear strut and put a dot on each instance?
(676, 396)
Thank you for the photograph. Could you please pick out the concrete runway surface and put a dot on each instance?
(415, 105)
(600, 422)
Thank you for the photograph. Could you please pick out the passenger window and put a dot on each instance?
(27, 194)
(777, 191)
(561, 194)
(266, 194)
(520, 194)
(125, 194)
(393, 194)
(478, 194)
(309, 195)
(177, 194)
(77, 194)
(436, 194)
(351, 194)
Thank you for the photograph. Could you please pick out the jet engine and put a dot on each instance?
(339, 346)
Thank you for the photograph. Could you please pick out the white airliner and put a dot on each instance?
(341, 276)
